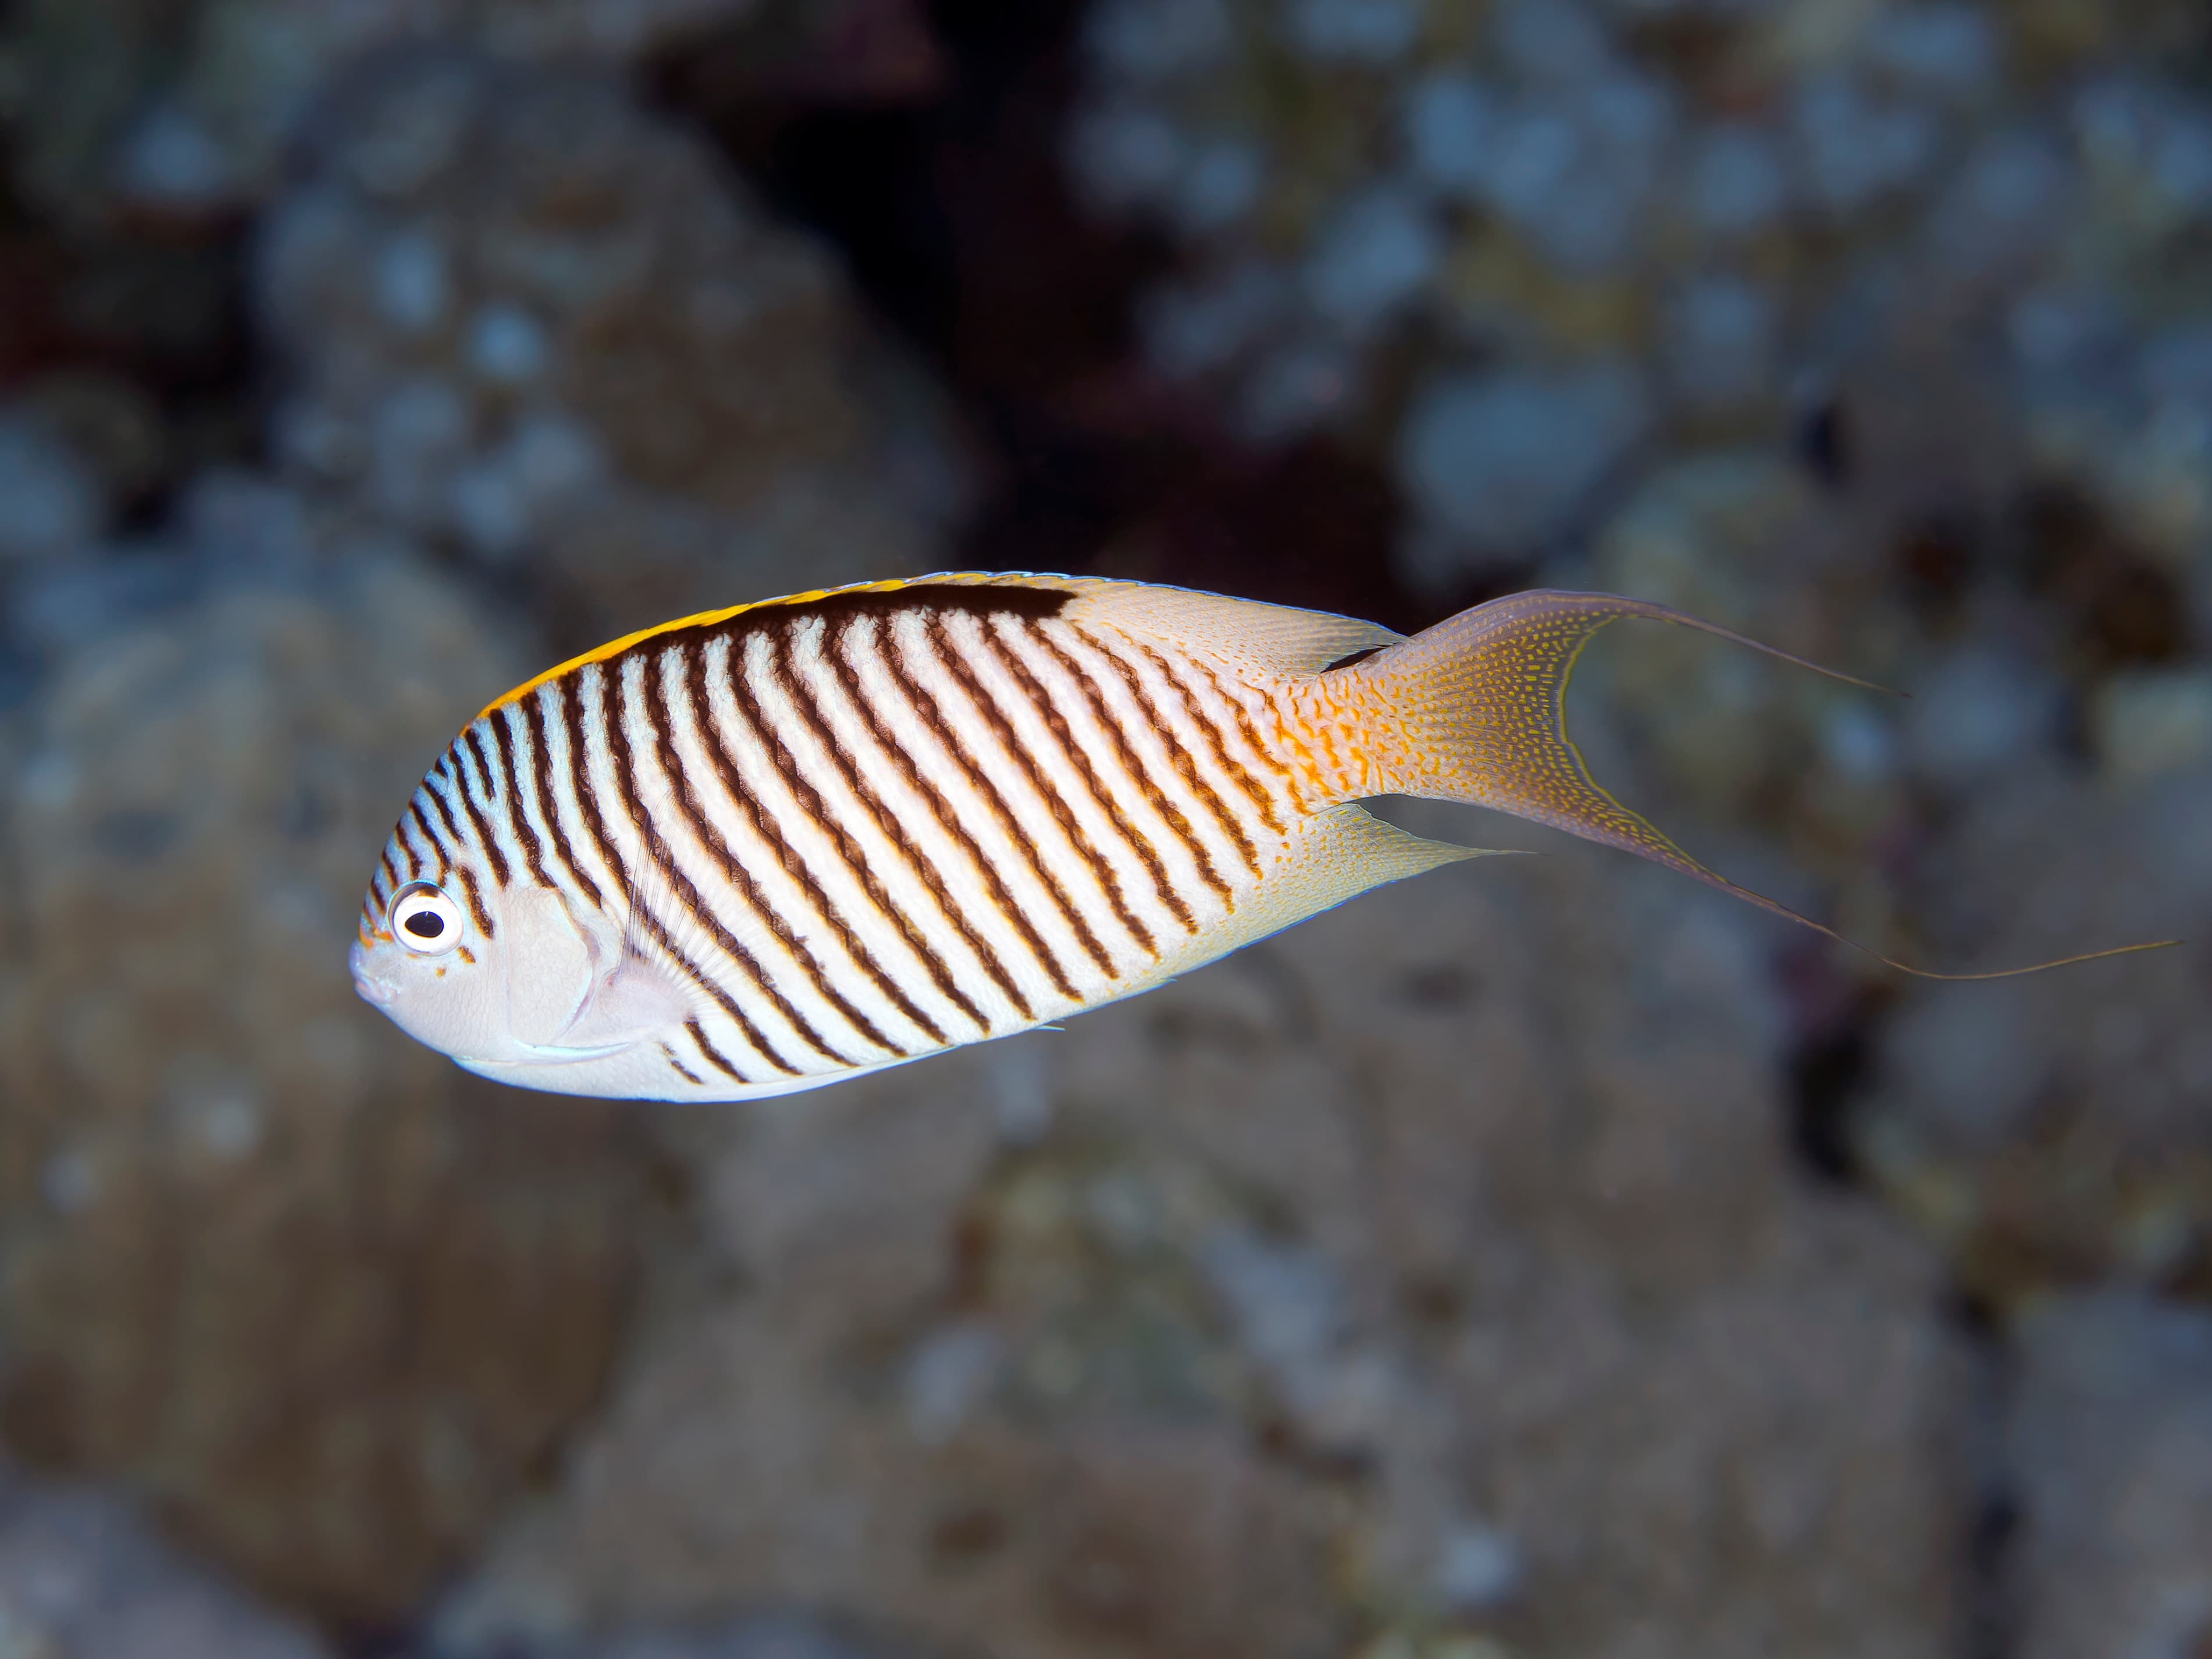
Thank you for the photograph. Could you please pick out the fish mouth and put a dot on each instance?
(366, 985)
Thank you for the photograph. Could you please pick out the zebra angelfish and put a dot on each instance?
(761, 849)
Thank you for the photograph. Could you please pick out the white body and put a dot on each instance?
(757, 852)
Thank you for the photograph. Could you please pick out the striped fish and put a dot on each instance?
(762, 850)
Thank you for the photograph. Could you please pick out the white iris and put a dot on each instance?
(425, 920)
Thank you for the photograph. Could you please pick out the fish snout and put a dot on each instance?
(370, 988)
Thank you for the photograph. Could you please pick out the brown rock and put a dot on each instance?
(322, 1297)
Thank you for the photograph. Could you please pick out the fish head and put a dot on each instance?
(433, 952)
(521, 982)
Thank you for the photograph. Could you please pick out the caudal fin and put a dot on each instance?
(1481, 698)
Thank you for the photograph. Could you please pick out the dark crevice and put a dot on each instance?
(161, 311)
(1822, 441)
(1825, 1077)
(1992, 1528)
(1831, 1072)
(953, 217)
(1988, 1626)
(1936, 559)
(2120, 607)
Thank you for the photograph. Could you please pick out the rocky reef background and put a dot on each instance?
(1548, 1260)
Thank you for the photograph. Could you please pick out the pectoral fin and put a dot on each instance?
(635, 1000)
(573, 993)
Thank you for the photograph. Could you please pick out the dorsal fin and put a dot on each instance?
(615, 647)
(1280, 639)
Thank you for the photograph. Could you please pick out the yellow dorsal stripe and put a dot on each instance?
(707, 618)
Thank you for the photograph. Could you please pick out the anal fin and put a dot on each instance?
(1337, 854)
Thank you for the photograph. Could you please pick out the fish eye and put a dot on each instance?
(424, 919)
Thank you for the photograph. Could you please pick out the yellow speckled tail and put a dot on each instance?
(1474, 709)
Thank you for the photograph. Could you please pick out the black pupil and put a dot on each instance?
(425, 924)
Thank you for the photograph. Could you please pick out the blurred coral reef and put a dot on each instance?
(327, 1300)
(1547, 1261)
(80, 1573)
(1434, 1270)
(522, 315)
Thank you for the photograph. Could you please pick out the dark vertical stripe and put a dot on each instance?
(946, 653)
(1251, 732)
(1056, 722)
(715, 742)
(391, 870)
(445, 772)
(476, 900)
(1178, 756)
(533, 714)
(534, 853)
(835, 652)
(660, 708)
(682, 1070)
(449, 862)
(445, 860)
(812, 804)
(786, 672)
(1217, 740)
(472, 747)
(950, 650)
(712, 1054)
(654, 848)
(664, 744)
(924, 705)
(1132, 765)
(568, 695)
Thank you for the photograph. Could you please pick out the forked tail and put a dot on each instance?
(1480, 699)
